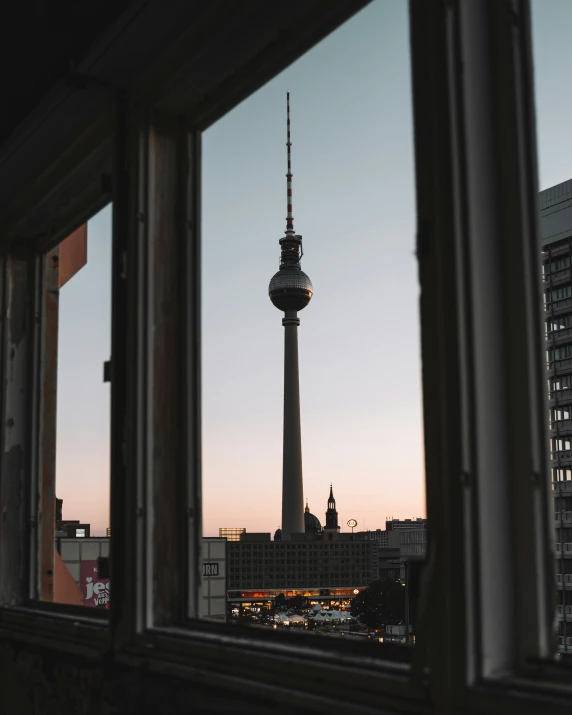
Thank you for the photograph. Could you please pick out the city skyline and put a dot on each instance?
(354, 205)
(359, 347)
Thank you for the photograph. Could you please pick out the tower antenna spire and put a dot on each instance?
(290, 290)
(289, 216)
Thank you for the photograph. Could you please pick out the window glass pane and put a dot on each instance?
(552, 21)
(77, 319)
(334, 547)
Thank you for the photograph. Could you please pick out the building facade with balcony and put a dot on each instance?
(556, 233)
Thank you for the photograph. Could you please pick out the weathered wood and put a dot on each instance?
(168, 232)
(15, 340)
(48, 425)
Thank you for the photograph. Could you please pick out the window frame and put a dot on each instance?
(145, 141)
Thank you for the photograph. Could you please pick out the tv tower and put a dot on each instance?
(290, 290)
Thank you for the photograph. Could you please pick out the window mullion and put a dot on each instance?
(444, 630)
(48, 389)
(489, 580)
(172, 377)
(126, 594)
(17, 523)
(155, 377)
(510, 434)
(192, 362)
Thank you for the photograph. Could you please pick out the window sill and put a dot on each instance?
(546, 691)
(353, 680)
(58, 626)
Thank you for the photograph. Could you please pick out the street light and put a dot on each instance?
(406, 584)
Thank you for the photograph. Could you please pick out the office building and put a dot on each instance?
(214, 579)
(83, 559)
(556, 233)
(231, 533)
(403, 540)
(412, 543)
(390, 537)
(304, 563)
(318, 561)
(405, 524)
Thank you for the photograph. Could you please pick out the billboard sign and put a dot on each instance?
(95, 590)
(210, 569)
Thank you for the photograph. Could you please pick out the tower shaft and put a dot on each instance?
(292, 482)
(290, 290)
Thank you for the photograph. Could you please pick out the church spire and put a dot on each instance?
(331, 514)
(331, 500)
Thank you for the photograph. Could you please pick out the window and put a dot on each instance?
(561, 383)
(476, 198)
(73, 469)
(559, 323)
(561, 353)
(559, 293)
(558, 264)
(347, 401)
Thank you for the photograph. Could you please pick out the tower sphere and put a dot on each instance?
(290, 289)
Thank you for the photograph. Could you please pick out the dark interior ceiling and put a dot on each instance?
(63, 71)
(41, 44)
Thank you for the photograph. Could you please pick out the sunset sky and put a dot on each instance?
(359, 347)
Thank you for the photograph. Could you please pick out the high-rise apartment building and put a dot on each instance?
(556, 233)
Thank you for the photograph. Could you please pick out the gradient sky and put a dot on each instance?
(82, 455)
(358, 339)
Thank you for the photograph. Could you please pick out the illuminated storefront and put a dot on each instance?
(266, 599)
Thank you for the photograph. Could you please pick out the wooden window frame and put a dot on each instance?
(484, 638)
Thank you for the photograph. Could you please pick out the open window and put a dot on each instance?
(73, 430)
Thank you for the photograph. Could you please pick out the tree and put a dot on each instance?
(296, 602)
(380, 603)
